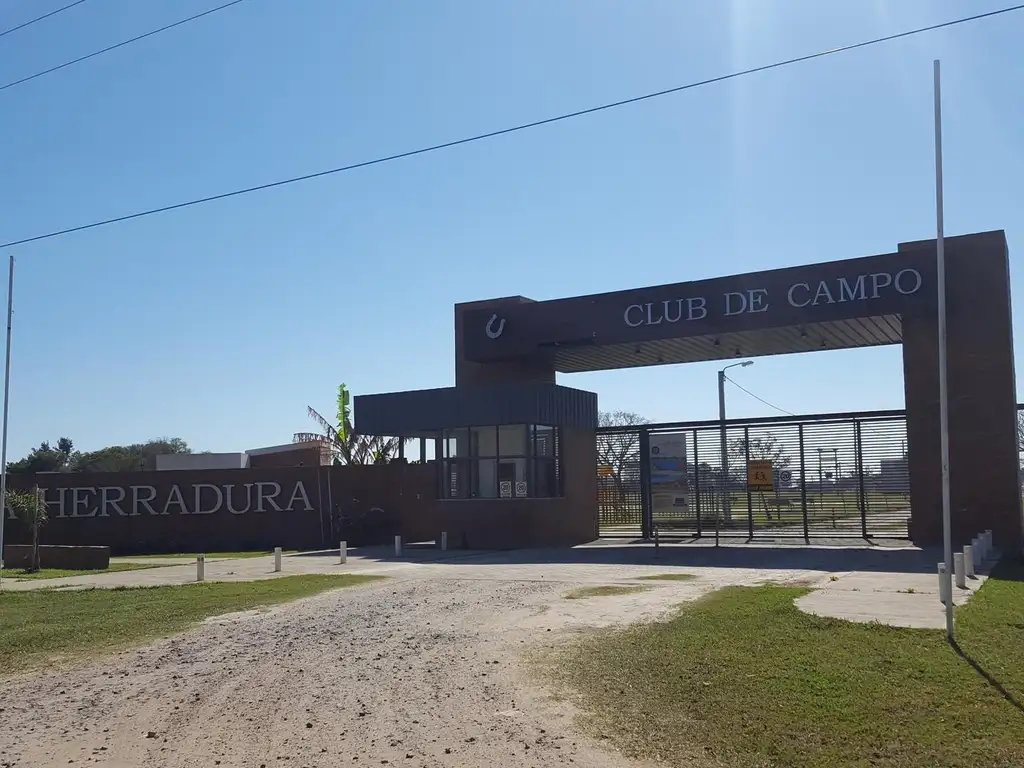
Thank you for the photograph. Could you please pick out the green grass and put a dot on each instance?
(58, 573)
(209, 555)
(41, 626)
(668, 577)
(584, 592)
(744, 678)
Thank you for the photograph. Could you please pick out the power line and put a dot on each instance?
(114, 47)
(760, 400)
(491, 134)
(40, 18)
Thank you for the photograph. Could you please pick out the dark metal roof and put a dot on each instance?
(843, 334)
(423, 412)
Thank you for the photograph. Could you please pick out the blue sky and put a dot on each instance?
(221, 323)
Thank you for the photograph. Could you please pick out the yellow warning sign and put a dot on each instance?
(759, 475)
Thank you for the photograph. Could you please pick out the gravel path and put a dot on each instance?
(407, 672)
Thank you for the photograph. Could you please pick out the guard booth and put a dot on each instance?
(514, 461)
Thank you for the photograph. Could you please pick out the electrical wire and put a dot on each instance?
(760, 400)
(491, 134)
(114, 47)
(866, 430)
(40, 18)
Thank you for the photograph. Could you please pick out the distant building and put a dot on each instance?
(894, 476)
(193, 461)
(308, 454)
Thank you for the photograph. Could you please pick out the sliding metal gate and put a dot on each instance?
(833, 476)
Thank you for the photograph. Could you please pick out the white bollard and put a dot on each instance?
(343, 552)
(989, 544)
(200, 567)
(398, 546)
(444, 541)
(977, 551)
(969, 561)
(277, 559)
(942, 583)
(958, 570)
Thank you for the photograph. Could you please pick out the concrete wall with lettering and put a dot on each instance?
(229, 509)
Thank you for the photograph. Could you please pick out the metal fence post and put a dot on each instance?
(803, 485)
(696, 484)
(646, 516)
(750, 498)
(858, 445)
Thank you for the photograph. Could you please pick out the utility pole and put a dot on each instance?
(940, 268)
(7, 397)
(726, 490)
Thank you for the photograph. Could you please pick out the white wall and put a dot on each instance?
(169, 461)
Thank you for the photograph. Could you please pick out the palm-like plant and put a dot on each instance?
(344, 445)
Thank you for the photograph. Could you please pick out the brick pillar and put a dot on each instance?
(983, 459)
(469, 373)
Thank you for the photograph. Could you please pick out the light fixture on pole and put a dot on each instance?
(726, 496)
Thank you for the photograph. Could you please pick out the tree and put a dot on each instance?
(765, 448)
(114, 458)
(136, 457)
(618, 453)
(344, 445)
(30, 508)
(1020, 430)
(44, 459)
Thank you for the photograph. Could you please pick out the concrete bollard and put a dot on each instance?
(990, 545)
(277, 559)
(969, 561)
(942, 583)
(200, 567)
(444, 541)
(976, 550)
(398, 546)
(343, 552)
(958, 570)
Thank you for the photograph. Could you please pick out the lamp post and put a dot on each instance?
(726, 495)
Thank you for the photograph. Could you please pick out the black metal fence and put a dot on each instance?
(829, 476)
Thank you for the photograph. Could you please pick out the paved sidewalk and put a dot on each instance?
(902, 600)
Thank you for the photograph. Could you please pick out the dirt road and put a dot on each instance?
(407, 672)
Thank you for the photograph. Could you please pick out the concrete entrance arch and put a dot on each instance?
(508, 351)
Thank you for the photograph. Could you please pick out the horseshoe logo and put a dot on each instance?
(493, 333)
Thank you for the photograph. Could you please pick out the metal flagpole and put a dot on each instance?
(940, 266)
(7, 397)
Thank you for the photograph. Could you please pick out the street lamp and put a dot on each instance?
(726, 495)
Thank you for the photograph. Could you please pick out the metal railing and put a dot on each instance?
(832, 476)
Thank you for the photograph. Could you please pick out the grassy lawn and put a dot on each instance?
(39, 625)
(57, 573)
(743, 678)
(209, 555)
(584, 592)
(667, 577)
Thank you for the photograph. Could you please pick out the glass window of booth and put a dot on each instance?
(507, 461)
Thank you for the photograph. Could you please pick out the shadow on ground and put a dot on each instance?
(762, 556)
